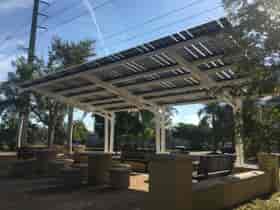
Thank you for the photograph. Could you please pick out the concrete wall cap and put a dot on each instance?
(171, 157)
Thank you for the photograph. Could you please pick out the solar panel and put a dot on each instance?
(177, 69)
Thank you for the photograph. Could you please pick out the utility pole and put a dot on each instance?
(24, 116)
(33, 32)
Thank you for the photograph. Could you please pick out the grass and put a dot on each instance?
(273, 203)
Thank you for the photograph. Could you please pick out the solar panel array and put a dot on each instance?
(177, 69)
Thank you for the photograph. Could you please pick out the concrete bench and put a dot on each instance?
(141, 157)
(214, 165)
(229, 191)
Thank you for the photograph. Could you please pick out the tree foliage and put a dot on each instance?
(195, 137)
(13, 103)
(80, 132)
(51, 113)
(256, 32)
(219, 118)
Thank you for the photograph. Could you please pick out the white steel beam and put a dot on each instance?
(188, 90)
(103, 101)
(71, 102)
(200, 101)
(157, 81)
(74, 90)
(126, 110)
(122, 93)
(195, 88)
(108, 106)
(182, 96)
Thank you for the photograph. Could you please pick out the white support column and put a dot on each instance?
(112, 133)
(239, 147)
(19, 135)
(163, 131)
(93, 124)
(158, 134)
(70, 130)
(106, 134)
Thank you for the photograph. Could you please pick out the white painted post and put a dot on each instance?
(19, 135)
(70, 129)
(93, 124)
(112, 133)
(239, 148)
(163, 132)
(158, 134)
(106, 134)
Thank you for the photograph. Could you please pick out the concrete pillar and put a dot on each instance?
(239, 147)
(112, 133)
(106, 134)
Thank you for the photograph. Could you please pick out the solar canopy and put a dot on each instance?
(177, 69)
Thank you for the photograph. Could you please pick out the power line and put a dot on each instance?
(21, 32)
(190, 17)
(159, 17)
(115, 34)
(154, 19)
(64, 10)
(81, 14)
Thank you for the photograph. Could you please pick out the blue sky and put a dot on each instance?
(122, 24)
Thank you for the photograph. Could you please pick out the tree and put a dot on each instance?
(191, 135)
(63, 54)
(261, 128)
(68, 54)
(219, 117)
(14, 104)
(256, 32)
(80, 132)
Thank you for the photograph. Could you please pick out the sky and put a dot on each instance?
(115, 25)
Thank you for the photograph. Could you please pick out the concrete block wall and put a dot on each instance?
(270, 164)
(170, 183)
(171, 186)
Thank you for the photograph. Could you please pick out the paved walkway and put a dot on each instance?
(43, 194)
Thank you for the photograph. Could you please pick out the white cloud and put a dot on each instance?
(5, 66)
(15, 4)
